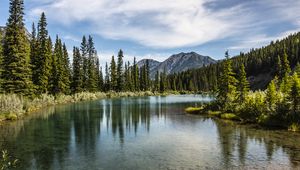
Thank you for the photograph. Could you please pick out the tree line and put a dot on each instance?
(258, 62)
(36, 65)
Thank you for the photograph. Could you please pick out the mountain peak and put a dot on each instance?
(178, 63)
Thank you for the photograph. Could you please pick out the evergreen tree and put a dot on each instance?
(135, 75)
(297, 68)
(227, 83)
(243, 84)
(107, 78)
(1, 66)
(279, 67)
(91, 68)
(113, 75)
(85, 64)
(120, 77)
(34, 58)
(16, 53)
(99, 76)
(77, 71)
(66, 71)
(42, 67)
(271, 97)
(157, 82)
(295, 93)
(286, 69)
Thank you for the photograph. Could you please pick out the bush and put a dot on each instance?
(11, 104)
(229, 116)
(193, 110)
(253, 107)
(294, 127)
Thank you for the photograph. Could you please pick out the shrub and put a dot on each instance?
(229, 116)
(193, 110)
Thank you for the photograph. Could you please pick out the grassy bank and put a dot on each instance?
(13, 107)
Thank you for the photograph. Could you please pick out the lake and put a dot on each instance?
(144, 133)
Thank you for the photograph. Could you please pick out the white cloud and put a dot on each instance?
(174, 23)
(153, 23)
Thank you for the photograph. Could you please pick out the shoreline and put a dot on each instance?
(200, 111)
(14, 107)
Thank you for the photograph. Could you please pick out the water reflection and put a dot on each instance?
(143, 133)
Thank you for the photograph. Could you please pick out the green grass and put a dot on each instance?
(214, 113)
(193, 110)
(14, 106)
(229, 116)
(294, 127)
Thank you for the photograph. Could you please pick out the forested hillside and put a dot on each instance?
(261, 65)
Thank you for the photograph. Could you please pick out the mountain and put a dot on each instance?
(178, 63)
(152, 64)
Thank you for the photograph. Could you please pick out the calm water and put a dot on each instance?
(144, 133)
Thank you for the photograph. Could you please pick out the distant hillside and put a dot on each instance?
(261, 66)
(178, 63)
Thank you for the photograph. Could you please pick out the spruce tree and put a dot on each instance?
(91, 68)
(295, 93)
(271, 96)
(227, 83)
(113, 75)
(243, 84)
(1, 66)
(85, 64)
(135, 72)
(66, 71)
(120, 77)
(107, 78)
(77, 71)
(42, 64)
(286, 69)
(157, 82)
(16, 53)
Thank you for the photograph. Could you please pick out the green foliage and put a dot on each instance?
(229, 116)
(16, 53)
(113, 75)
(243, 84)
(227, 85)
(272, 97)
(294, 95)
(119, 74)
(77, 78)
(6, 162)
(42, 58)
(193, 110)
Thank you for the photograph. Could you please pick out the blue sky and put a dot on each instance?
(158, 28)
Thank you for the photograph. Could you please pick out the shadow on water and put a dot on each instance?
(143, 131)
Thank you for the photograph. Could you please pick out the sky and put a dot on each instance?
(157, 29)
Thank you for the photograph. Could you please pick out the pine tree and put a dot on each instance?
(34, 58)
(286, 69)
(271, 96)
(297, 68)
(77, 71)
(135, 73)
(99, 76)
(113, 75)
(66, 72)
(42, 68)
(147, 76)
(295, 93)
(107, 78)
(243, 84)
(84, 53)
(1, 61)
(157, 82)
(227, 83)
(91, 68)
(16, 53)
(120, 77)
(279, 67)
